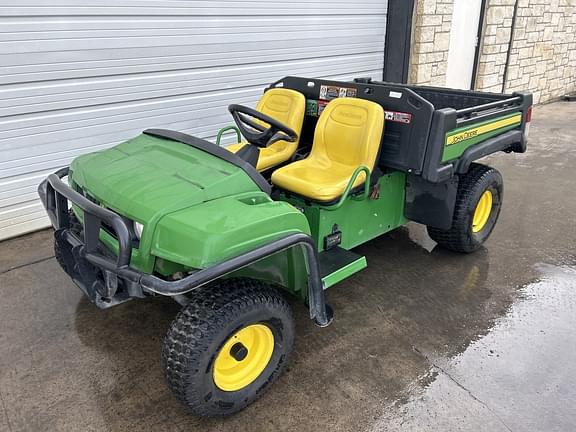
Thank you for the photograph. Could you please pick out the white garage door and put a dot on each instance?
(78, 76)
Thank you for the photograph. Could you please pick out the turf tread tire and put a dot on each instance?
(459, 238)
(191, 336)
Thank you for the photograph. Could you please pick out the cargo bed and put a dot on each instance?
(431, 132)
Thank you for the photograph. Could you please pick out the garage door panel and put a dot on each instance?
(192, 112)
(18, 214)
(20, 183)
(111, 116)
(15, 220)
(82, 76)
(185, 7)
(19, 196)
(104, 68)
(90, 140)
(37, 222)
(220, 42)
(19, 136)
(26, 125)
(52, 70)
(17, 29)
(64, 94)
(66, 140)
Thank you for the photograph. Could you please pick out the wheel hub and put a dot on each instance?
(239, 351)
(243, 357)
(482, 212)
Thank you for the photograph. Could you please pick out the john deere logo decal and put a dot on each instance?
(458, 137)
(462, 136)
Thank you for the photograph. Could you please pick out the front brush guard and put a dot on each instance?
(101, 284)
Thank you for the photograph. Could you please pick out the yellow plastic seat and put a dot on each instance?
(288, 107)
(347, 136)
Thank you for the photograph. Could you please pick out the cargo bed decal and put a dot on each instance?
(455, 138)
(458, 140)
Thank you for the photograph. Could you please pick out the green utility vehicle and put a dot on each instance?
(230, 231)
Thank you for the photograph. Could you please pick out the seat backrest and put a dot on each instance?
(349, 132)
(286, 106)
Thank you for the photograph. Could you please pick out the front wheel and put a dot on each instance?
(227, 346)
(478, 203)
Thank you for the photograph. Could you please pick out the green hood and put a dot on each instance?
(148, 177)
(197, 209)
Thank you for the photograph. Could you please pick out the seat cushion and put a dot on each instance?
(347, 136)
(319, 183)
(270, 156)
(288, 107)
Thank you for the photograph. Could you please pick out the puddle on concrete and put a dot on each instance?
(519, 376)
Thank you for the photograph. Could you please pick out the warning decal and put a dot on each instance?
(311, 107)
(398, 117)
(333, 92)
(328, 93)
(321, 105)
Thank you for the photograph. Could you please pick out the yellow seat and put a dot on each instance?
(288, 107)
(347, 136)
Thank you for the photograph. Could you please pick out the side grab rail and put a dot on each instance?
(228, 129)
(350, 185)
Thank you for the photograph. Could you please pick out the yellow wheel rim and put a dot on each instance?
(482, 212)
(243, 357)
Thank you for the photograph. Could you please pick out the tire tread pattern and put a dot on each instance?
(211, 308)
(456, 238)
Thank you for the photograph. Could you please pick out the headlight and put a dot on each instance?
(138, 228)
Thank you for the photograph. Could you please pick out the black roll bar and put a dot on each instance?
(55, 195)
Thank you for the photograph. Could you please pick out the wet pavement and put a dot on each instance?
(424, 339)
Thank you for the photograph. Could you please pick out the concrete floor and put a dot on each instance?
(424, 340)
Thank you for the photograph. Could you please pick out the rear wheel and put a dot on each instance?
(478, 204)
(227, 346)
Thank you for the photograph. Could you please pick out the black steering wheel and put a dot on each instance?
(257, 134)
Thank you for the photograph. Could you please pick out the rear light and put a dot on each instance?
(528, 120)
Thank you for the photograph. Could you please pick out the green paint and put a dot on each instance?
(203, 235)
(197, 209)
(351, 182)
(454, 151)
(344, 272)
(286, 269)
(359, 220)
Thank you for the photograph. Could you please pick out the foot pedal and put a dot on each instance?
(337, 264)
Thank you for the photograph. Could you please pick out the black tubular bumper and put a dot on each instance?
(108, 279)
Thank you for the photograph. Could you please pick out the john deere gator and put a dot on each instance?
(319, 168)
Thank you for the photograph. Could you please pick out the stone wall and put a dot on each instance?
(494, 45)
(430, 42)
(542, 51)
(542, 47)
